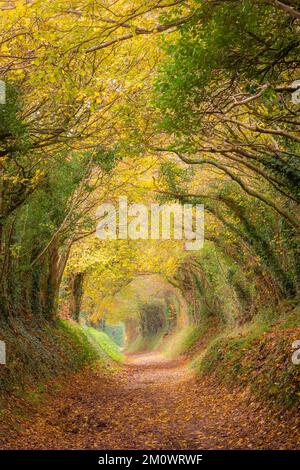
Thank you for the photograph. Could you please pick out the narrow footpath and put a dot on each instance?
(151, 403)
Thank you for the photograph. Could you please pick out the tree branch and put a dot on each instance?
(286, 8)
(252, 192)
(138, 31)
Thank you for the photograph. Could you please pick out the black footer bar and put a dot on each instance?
(134, 459)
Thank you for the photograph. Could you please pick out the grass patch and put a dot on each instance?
(40, 351)
(104, 344)
(182, 340)
(190, 339)
(145, 343)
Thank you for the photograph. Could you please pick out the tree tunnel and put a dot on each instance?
(149, 310)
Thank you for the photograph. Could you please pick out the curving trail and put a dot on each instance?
(151, 403)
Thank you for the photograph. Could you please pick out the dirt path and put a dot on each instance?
(150, 404)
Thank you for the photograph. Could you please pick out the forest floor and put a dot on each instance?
(150, 403)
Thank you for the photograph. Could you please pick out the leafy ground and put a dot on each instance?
(150, 403)
(257, 356)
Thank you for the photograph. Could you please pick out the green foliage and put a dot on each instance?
(106, 344)
(238, 40)
(226, 53)
(85, 351)
(47, 207)
(181, 341)
(153, 324)
(116, 333)
(175, 177)
(153, 319)
(145, 343)
(38, 352)
(212, 287)
(107, 159)
(12, 130)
